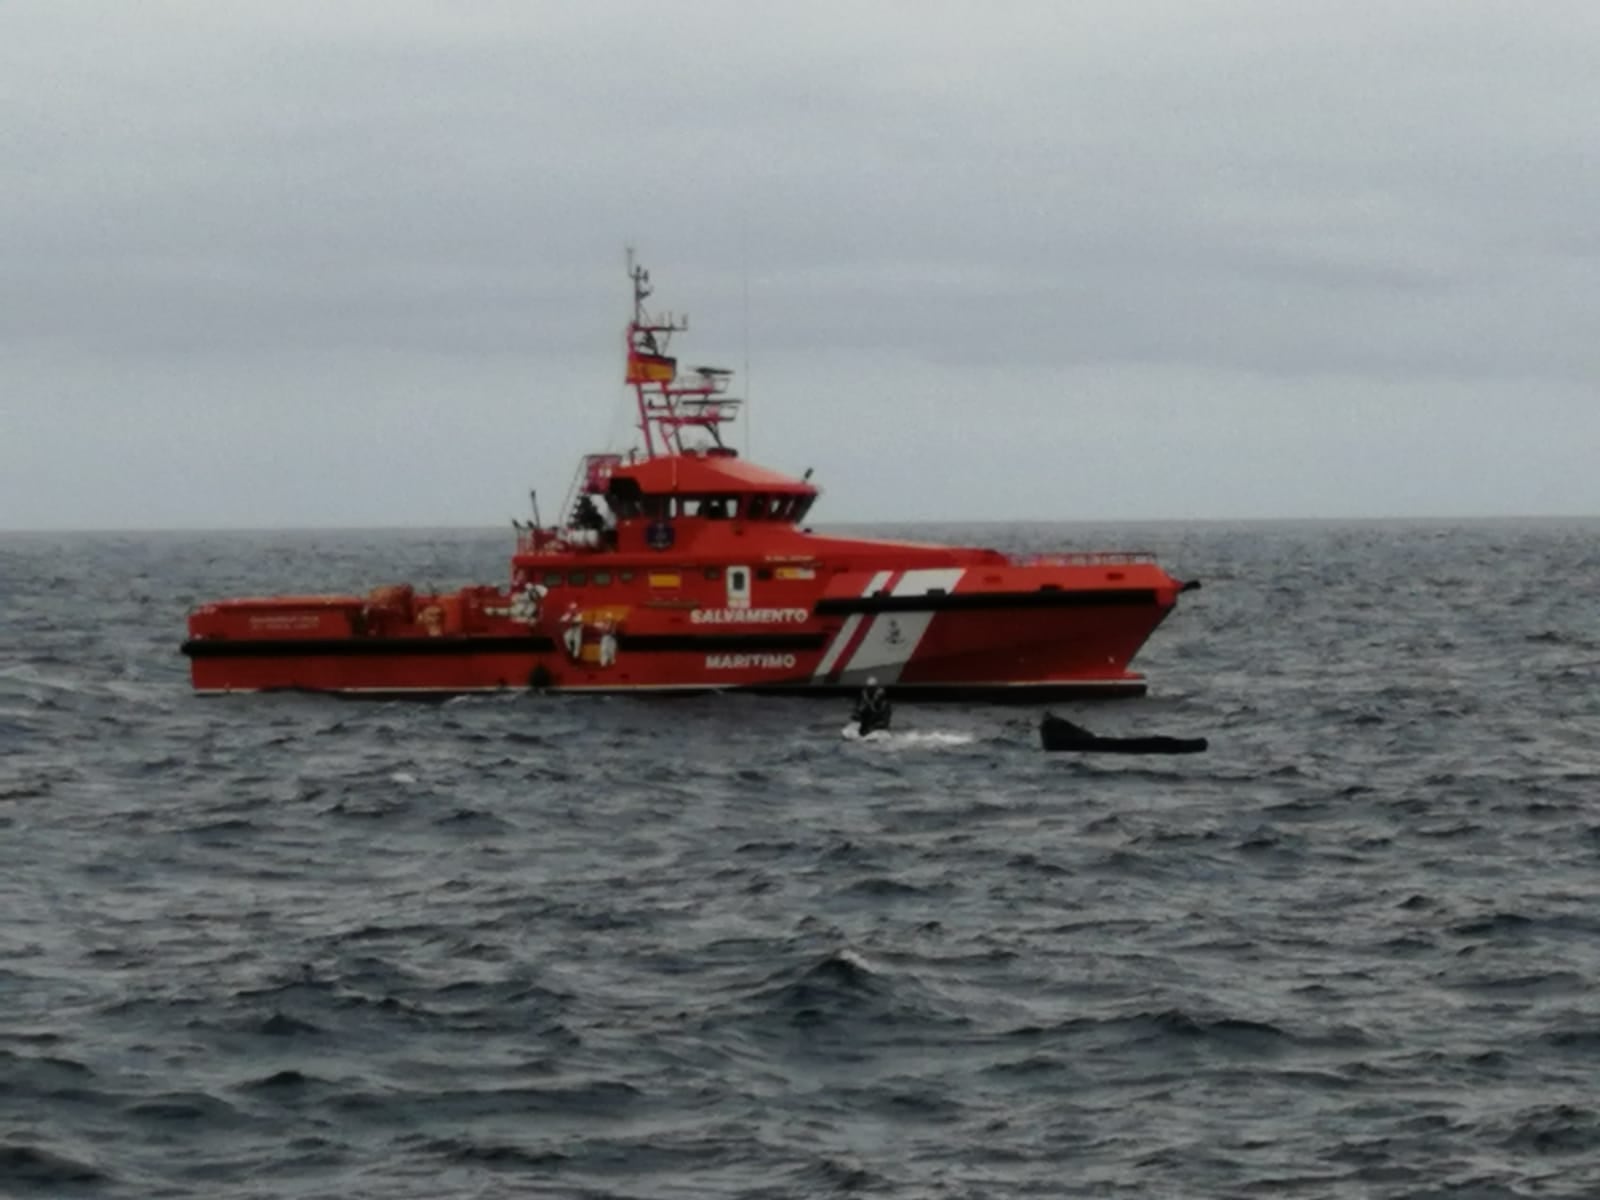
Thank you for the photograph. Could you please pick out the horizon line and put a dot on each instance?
(860, 524)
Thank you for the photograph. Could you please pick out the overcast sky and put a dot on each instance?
(266, 263)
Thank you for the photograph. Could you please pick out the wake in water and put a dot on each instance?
(908, 738)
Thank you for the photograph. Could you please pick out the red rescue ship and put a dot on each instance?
(680, 567)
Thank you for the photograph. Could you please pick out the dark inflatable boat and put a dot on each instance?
(1060, 734)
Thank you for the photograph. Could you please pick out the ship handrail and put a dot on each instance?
(531, 541)
(1083, 558)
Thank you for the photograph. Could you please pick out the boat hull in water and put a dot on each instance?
(972, 641)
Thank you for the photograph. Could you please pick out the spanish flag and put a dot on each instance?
(644, 367)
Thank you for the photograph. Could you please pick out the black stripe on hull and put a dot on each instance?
(721, 643)
(965, 693)
(399, 647)
(980, 601)
(404, 647)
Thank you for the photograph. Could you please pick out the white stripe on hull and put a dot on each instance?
(848, 630)
(894, 636)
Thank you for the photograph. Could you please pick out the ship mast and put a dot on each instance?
(666, 405)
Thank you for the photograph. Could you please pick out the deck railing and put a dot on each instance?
(1084, 558)
(536, 541)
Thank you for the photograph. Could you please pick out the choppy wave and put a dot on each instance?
(291, 946)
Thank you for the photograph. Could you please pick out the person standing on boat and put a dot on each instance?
(572, 632)
(872, 707)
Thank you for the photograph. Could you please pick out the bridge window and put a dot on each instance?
(761, 506)
(624, 498)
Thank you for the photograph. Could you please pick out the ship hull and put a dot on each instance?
(918, 633)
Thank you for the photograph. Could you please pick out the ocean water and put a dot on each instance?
(293, 946)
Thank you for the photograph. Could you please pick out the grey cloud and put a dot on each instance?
(1338, 199)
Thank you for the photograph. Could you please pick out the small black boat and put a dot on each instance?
(1060, 734)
